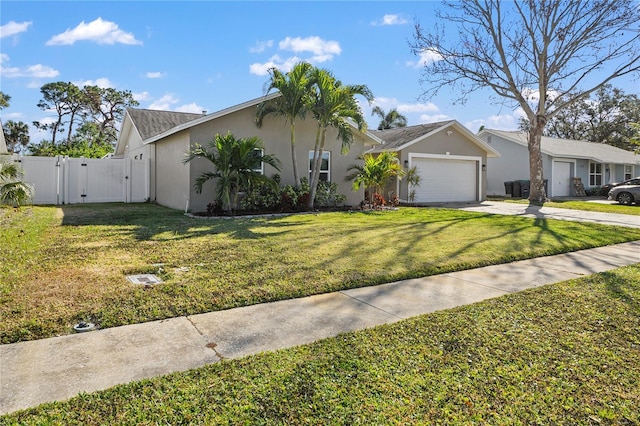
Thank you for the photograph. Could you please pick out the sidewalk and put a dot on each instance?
(58, 368)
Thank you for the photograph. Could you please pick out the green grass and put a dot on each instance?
(566, 353)
(586, 205)
(62, 265)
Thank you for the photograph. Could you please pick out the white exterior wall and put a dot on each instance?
(512, 165)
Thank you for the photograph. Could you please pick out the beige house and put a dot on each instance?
(450, 160)
(164, 137)
(449, 156)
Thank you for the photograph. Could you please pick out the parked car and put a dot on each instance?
(625, 194)
(608, 186)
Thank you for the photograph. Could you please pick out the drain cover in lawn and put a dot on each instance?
(144, 279)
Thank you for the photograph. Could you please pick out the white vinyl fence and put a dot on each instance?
(64, 180)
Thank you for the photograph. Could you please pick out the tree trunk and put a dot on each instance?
(537, 194)
(294, 160)
(317, 162)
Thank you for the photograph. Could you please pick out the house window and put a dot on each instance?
(595, 174)
(258, 166)
(628, 172)
(325, 166)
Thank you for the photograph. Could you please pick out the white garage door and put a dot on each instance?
(445, 180)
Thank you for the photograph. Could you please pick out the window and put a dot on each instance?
(258, 166)
(628, 172)
(325, 166)
(595, 174)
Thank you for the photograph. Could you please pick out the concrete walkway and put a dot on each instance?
(58, 368)
(530, 210)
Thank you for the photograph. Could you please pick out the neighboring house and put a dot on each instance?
(562, 160)
(165, 137)
(450, 160)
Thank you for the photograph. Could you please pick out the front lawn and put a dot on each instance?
(567, 354)
(62, 265)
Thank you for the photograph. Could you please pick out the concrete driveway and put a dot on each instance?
(530, 210)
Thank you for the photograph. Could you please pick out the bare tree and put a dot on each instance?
(541, 55)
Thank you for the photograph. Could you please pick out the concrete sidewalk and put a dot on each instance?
(58, 368)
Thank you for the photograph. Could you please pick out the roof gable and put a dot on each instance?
(151, 122)
(400, 138)
(568, 148)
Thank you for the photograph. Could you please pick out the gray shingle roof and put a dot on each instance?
(568, 148)
(151, 122)
(395, 138)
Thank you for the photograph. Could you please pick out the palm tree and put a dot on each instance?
(389, 120)
(333, 105)
(294, 88)
(375, 172)
(12, 190)
(235, 162)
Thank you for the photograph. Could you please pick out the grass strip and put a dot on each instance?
(567, 353)
(73, 265)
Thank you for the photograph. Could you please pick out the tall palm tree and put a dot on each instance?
(12, 190)
(375, 172)
(333, 104)
(389, 120)
(294, 88)
(235, 162)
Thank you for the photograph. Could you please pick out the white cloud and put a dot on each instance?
(275, 61)
(164, 103)
(32, 71)
(13, 116)
(261, 46)
(321, 50)
(419, 107)
(425, 118)
(497, 121)
(192, 107)
(390, 103)
(313, 44)
(100, 82)
(156, 74)
(143, 96)
(390, 20)
(99, 31)
(427, 57)
(13, 28)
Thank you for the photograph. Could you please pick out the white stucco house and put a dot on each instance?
(451, 158)
(563, 160)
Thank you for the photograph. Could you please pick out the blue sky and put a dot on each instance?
(209, 55)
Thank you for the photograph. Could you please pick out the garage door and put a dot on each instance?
(445, 180)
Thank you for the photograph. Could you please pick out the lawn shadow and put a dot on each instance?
(623, 289)
(147, 221)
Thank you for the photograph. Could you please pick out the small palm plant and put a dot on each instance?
(375, 172)
(413, 181)
(12, 190)
(235, 161)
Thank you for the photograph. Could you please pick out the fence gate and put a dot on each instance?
(64, 180)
